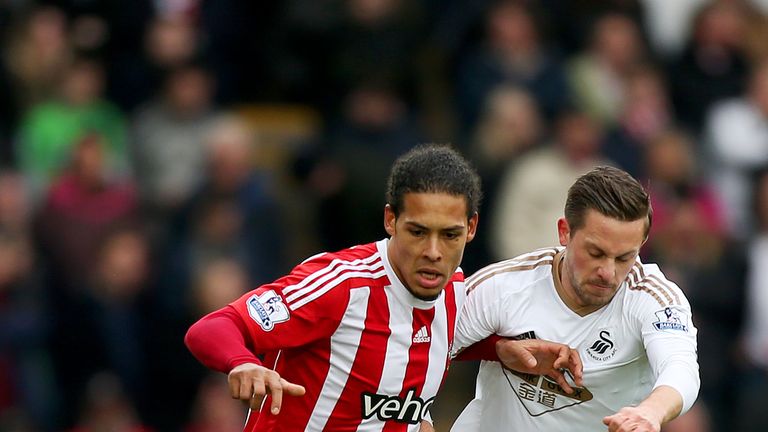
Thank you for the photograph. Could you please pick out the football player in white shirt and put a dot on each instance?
(631, 326)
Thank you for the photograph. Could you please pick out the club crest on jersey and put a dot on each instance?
(603, 348)
(267, 309)
(671, 319)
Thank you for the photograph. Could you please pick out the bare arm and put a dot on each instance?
(662, 405)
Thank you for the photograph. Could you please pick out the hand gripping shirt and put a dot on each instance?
(642, 339)
(370, 355)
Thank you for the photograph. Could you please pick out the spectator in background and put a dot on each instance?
(169, 42)
(51, 129)
(530, 197)
(645, 112)
(116, 301)
(375, 126)
(233, 213)
(689, 239)
(168, 140)
(28, 397)
(213, 410)
(598, 74)
(750, 409)
(674, 181)
(82, 207)
(737, 137)
(712, 65)
(26, 381)
(511, 52)
(378, 39)
(105, 407)
(510, 127)
(37, 51)
(215, 284)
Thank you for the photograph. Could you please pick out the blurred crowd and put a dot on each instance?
(158, 158)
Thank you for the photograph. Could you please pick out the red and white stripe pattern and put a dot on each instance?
(371, 356)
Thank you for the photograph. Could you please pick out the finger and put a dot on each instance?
(246, 390)
(519, 353)
(256, 400)
(276, 391)
(234, 386)
(291, 388)
(576, 368)
(560, 378)
(563, 359)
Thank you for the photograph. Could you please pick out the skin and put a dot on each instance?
(426, 245)
(598, 258)
(427, 240)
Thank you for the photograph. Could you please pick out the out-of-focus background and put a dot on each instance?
(161, 157)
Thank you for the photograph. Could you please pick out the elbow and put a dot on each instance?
(193, 337)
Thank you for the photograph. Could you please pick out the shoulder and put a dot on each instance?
(332, 274)
(647, 285)
(516, 273)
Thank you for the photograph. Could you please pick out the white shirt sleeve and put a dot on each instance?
(669, 337)
(479, 316)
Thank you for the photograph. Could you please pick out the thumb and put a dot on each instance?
(522, 355)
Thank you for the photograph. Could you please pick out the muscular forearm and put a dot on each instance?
(664, 403)
(217, 341)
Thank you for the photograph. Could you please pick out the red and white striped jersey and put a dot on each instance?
(370, 355)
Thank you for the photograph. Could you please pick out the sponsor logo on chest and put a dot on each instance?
(409, 409)
(422, 335)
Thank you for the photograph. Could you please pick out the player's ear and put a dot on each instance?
(563, 231)
(472, 227)
(389, 220)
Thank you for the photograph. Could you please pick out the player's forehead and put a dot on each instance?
(610, 235)
(434, 209)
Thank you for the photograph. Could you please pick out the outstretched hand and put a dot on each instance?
(250, 382)
(540, 357)
(632, 419)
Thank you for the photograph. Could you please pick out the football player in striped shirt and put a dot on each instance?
(631, 325)
(359, 340)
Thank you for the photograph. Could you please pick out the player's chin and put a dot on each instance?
(427, 294)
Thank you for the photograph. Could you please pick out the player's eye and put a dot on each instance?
(416, 232)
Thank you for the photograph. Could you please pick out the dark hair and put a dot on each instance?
(612, 192)
(433, 168)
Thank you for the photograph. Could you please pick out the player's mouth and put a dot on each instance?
(429, 279)
(601, 286)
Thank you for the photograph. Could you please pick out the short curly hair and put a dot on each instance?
(433, 168)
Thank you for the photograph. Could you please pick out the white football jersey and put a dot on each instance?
(642, 339)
